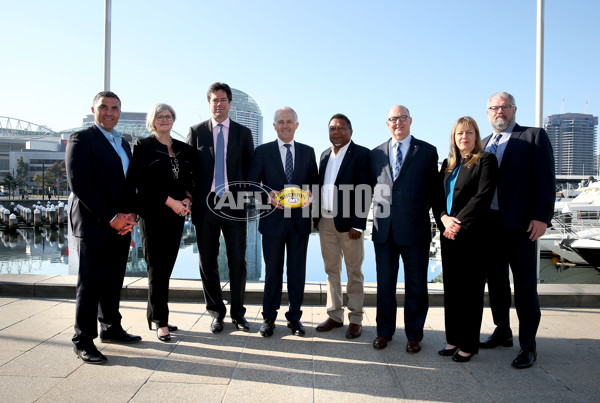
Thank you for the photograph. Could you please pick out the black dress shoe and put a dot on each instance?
(119, 336)
(172, 328)
(166, 338)
(496, 340)
(217, 325)
(241, 324)
(296, 327)
(266, 330)
(90, 355)
(524, 359)
(447, 352)
(461, 358)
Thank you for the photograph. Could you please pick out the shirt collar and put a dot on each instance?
(342, 151)
(405, 141)
(507, 131)
(225, 123)
(280, 142)
(114, 134)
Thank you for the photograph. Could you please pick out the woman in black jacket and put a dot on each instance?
(466, 187)
(163, 169)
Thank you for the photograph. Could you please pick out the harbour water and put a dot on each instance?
(46, 251)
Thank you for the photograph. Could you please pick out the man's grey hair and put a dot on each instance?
(502, 94)
(156, 109)
(285, 109)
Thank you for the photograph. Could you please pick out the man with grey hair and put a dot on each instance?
(277, 165)
(520, 212)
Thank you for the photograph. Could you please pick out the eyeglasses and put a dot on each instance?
(503, 107)
(401, 118)
(164, 117)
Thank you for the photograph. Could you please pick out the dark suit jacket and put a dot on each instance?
(526, 181)
(240, 148)
(100, 189)
(354, 170)
(153, 176)
(473, 193)
(403, 205)
(267, 168)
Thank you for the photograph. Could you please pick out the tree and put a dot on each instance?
(22, 172)
(56, 173)
(9, 183)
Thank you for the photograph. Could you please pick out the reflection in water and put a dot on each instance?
(28, 251)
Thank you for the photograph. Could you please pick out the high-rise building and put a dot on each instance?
(245, 111)
(573, 139)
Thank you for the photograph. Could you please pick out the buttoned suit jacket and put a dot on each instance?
(99, 186)
(526, 180)
(472, 195)
(267, 168)
(354, 170)
(402, 206)
(240, 148)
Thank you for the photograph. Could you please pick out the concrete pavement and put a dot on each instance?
(37, 364)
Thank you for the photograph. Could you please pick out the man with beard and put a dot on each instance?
(520, 212)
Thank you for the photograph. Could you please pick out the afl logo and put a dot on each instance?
(292, 197)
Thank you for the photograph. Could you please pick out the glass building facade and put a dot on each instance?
(573, 138)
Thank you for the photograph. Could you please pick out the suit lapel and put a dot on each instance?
(516, 133)
(386, 163)
(211, 143)
(323, 166)
(347, 156)
(413, 147)
(278, 163)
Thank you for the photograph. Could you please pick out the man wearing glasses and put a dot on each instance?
(404, 171)
(520, 212)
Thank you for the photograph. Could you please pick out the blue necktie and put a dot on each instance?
(289, 163)
(220, 163)
(397, 161)
(494, 146)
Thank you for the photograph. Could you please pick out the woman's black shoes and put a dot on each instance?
(165, 338)
(447, 352)
(461, 358)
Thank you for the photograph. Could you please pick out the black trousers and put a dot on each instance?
(513, 248)
(292, 246)
(102, 264)
(464, 283)
(208, 232)
(416, 303)
(161, 237)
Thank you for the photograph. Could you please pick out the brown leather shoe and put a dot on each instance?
(413, 347)
(380, 342)
(354, 331)
(328, 325)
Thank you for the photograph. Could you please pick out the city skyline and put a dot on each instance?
(442, 60)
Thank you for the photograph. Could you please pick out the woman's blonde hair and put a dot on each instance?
(454, 156)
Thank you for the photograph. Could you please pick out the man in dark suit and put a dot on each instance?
(225, 151)
(100, 219)
(404, 171)
(285, 232)
(521, 210)
(344, 182)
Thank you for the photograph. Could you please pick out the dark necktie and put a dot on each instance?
(494, 147)
(397, 161)
(289, 163)
(220, 163)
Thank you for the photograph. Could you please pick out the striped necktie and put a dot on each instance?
(397, 160)
(289, 163)
(494, 147)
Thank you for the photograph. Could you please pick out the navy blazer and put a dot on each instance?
(473, 193)
(99, 187)
(240, 148)
(402, 206)
(267, 168)
(355, 170)
(526, 180)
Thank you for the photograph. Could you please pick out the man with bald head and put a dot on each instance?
(404, 171)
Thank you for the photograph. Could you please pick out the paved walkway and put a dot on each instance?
(37, 364)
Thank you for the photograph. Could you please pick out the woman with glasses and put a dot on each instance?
(163, 171)
(466, 187)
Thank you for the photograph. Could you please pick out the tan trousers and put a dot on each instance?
(334, 245)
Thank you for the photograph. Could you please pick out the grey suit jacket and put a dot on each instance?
(401, 207)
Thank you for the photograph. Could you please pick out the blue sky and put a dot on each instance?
(441, 59)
